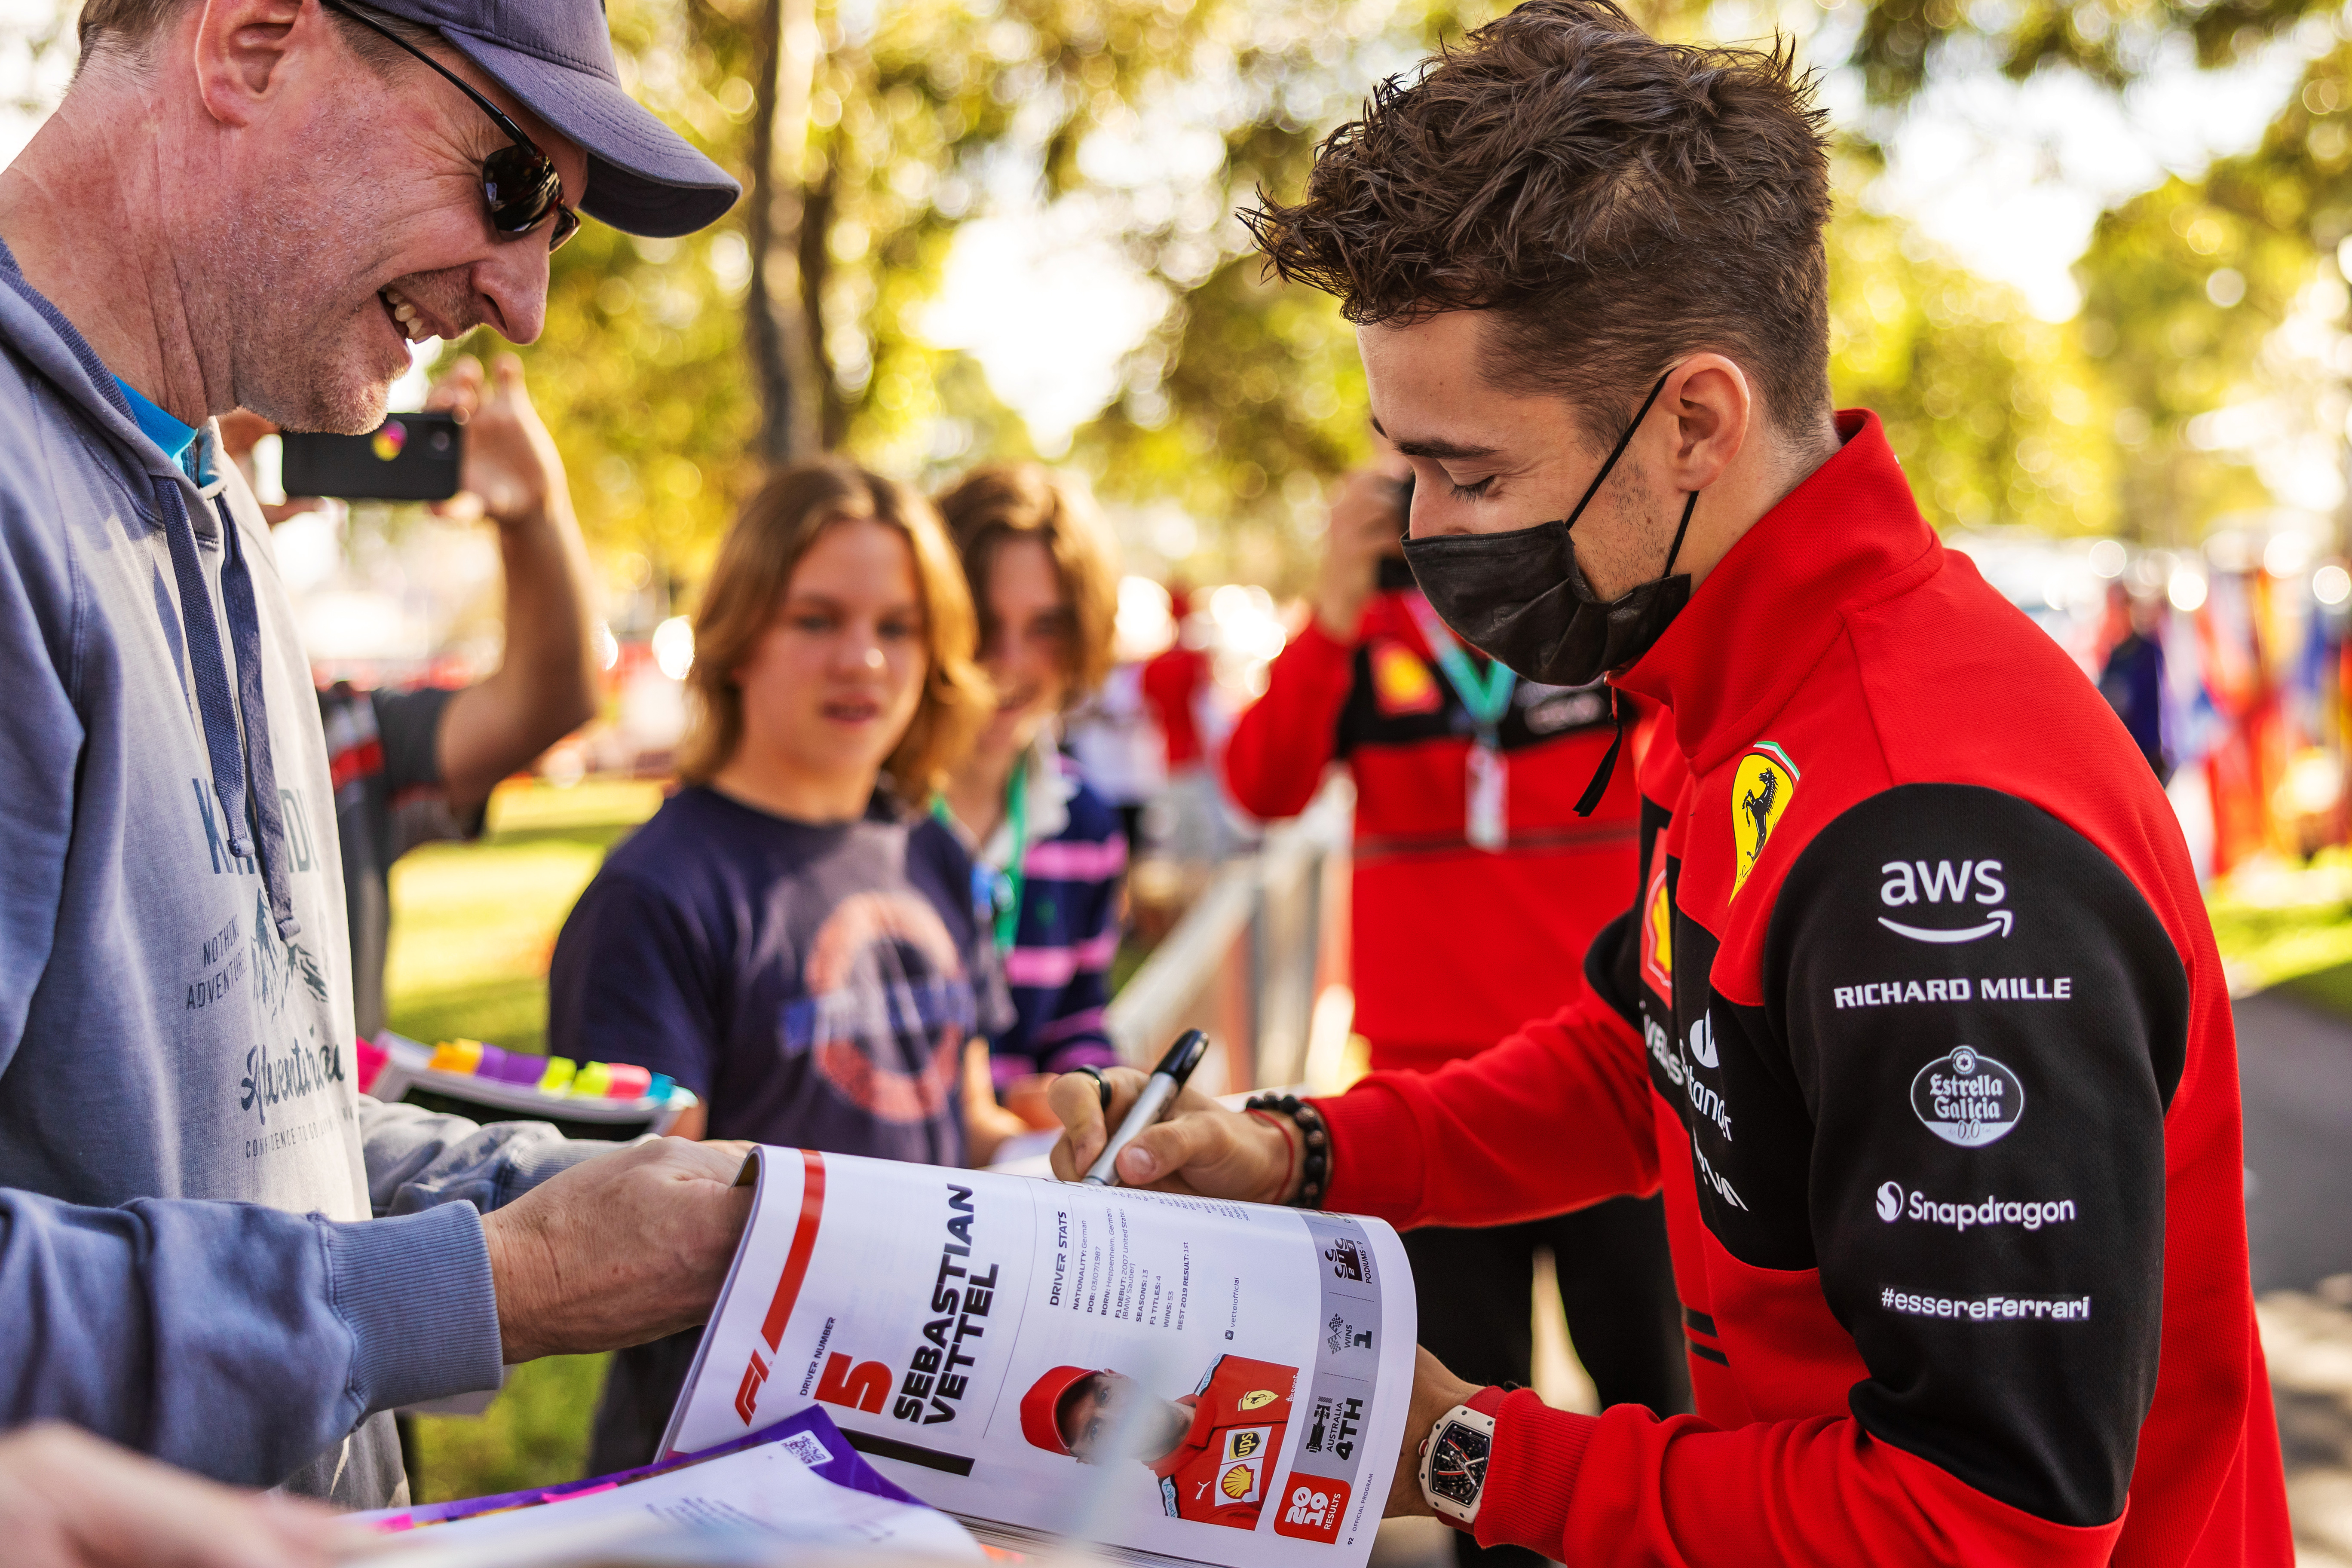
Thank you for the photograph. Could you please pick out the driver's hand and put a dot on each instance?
(1199, 1147)
(1435, 1391)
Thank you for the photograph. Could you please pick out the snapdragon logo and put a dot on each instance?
(2030, 1214)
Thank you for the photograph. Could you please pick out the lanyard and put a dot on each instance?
(1012, 879)
(1488, 699)
(1000, 891)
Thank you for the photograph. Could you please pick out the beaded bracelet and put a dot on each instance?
(1315, 1168)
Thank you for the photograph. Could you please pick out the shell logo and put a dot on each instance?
(1658, 931)
(388, 442)
(1400, 682)
(1237, 1482)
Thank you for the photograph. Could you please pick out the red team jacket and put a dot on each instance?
(1427, 907)
(1217, 1475)
(1920, 1024)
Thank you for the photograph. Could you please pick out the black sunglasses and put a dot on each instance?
(518, 182)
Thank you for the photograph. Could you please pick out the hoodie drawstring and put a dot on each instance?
(206, 664)
(229, 750)
(245, 635)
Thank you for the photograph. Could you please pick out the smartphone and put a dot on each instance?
(409, 457)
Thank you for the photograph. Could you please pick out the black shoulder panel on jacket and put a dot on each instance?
(1986, 1021)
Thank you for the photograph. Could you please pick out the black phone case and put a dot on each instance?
(409, 457)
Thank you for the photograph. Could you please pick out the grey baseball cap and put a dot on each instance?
(556, 55)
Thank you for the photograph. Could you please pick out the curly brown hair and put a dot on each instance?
(996, 503)
(746, 590)
(1617, 202)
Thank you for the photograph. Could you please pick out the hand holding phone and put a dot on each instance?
(512, 472)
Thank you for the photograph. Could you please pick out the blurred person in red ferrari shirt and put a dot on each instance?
(1463, 927)
(1173, 681)
(1180, 685)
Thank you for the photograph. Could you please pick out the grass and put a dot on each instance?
(2289, 926)
(533, 1435)
(473, 927)
(473, 924)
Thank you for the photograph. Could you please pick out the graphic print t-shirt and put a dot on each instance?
(813, 984)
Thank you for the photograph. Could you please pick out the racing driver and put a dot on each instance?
(1918, 1020)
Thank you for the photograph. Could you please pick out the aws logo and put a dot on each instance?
(1761, 788)
(1957, 883)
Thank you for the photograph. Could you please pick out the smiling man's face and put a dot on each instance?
(363, 205)
(1487, 460)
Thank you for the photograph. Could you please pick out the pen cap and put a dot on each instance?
(1184, 1055)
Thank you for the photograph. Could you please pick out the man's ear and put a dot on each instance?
(242, 48)
(1711, 404)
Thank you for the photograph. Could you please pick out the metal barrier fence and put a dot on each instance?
(1259, 960)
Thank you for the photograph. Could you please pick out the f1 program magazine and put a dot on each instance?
(1181, 1380)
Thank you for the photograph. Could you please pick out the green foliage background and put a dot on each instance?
(1247, 398)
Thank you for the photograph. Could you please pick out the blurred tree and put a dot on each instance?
(857, 179)
(1898, 43)
(2220, 296)
(1997, 418)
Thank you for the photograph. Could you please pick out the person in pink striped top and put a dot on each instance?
(1051, 856)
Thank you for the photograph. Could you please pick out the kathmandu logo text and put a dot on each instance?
(1966, 1098)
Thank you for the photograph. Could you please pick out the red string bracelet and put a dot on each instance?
(1289, 1143)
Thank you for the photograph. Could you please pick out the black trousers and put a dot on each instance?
(1616, 1284)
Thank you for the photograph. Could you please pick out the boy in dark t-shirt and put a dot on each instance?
(812, 983)
(793, 936)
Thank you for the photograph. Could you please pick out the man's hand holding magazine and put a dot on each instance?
(622, 1248)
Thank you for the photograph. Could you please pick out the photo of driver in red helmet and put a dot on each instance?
(1213, 1451)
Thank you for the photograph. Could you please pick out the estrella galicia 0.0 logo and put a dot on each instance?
(1968, 1098)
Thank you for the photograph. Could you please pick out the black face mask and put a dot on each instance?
(1520, 599)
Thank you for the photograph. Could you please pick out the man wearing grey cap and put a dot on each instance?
(262, 202)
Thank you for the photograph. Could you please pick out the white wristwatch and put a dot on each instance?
(1453, 1460)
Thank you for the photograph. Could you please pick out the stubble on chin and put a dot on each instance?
(321, 375)
(303, 337)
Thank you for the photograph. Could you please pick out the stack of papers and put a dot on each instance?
(786, 1492)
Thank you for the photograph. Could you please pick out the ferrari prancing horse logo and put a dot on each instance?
(1255, 1399)
(1760, 791)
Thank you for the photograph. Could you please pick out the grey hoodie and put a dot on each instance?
(176, 997)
